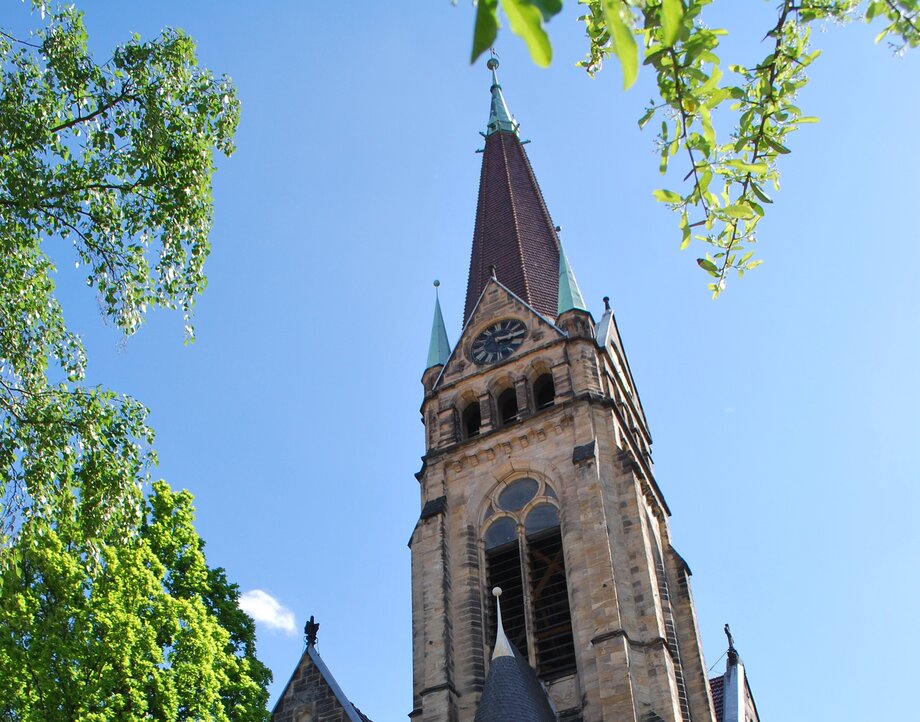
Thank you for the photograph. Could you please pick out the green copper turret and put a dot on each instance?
(569, 293)
(439, 346)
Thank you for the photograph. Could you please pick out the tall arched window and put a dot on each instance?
(544, 391)
(508, 407)
(524, 557)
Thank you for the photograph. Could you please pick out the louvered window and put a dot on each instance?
(524, 557)
(552, 621)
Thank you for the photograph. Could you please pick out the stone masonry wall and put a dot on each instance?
(613, 519)
(308, 698)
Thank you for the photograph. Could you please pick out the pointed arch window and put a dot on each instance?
(523, 549)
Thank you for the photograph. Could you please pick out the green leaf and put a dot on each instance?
(672, 15)
(760, 194)
(526, 22)
(665, 196)
(685, 230)
(548, 8)
(747, 167)
(647, 116)
(706, 120)
(485, 28)
(708, 266)
(738, 210)
(778, 147)
(624, 44)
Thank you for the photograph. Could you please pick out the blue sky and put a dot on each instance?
(784, 414)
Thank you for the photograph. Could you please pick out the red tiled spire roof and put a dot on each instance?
(514, 231)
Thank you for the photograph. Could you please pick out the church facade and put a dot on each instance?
(537, 479)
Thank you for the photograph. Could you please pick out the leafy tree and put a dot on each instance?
(108, 609)
(728, 179)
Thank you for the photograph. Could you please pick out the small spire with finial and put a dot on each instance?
(500, 118)
(311, 629)
(606, 303)
(502, 645)
(439, 345)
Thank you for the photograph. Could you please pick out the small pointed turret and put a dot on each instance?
(569, 294)
(439, 346)
(512, 690)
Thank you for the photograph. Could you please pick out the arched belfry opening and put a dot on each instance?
(522, 541)
(508, 407)
(471, 420)
(544, 391)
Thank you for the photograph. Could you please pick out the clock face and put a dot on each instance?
(498, 341)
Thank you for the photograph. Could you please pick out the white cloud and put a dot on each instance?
(267, 610)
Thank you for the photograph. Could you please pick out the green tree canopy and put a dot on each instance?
(726, 180)
(108, 609)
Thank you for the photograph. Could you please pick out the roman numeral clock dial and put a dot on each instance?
(498, 341)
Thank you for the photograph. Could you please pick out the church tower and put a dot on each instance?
(537, 478)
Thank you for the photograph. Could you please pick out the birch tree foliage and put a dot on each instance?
(725, 181)
(108, 609)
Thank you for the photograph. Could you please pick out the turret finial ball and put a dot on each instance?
(436, 283)
(496, 591)
(492, 64)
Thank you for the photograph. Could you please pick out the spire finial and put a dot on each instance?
(734, 695)
(502, 645)
(731, 640)
(439, 345)
(493, 271)
(492, 64)
(606, 303)
(500, 118)
(311, 629)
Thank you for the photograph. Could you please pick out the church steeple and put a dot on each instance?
(514, 231)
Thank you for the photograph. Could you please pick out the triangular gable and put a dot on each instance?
(495, 303)
(313, 694)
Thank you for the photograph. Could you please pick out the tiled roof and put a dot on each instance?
(715, 684)
(514, 231)
(512, 693)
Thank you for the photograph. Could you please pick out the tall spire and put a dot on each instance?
(439, 346)
(569, 293)
(514, 231)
